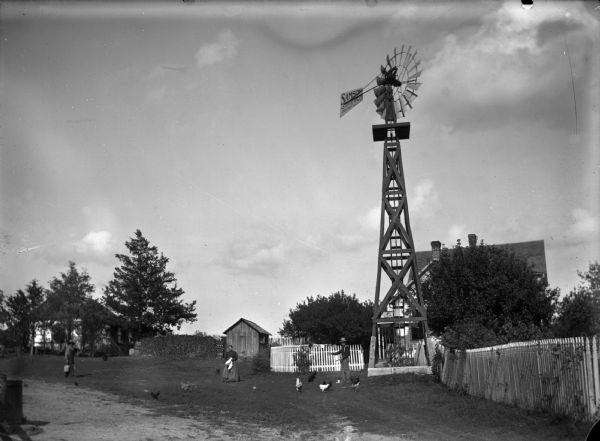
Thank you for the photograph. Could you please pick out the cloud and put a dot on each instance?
(371, 220)
(508, 71)
(585, 226)
(262, 259)
(95, 247)
(223, 49)
(265, 253)
(425, 201)
(98, 242)
(456, 232)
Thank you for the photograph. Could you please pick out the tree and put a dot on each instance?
(483, 295)
(95, 317)
(579, 311)
(36, 296)
(327, 319)
(20, 311)
(144, 293)
(66, 296)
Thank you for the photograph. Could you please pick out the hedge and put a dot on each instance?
(178, 346)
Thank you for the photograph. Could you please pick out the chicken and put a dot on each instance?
(155, 394)
(186, 386)
(298, 385)
(311, 377)
(325, 386)
(355, 382)
(229, 364)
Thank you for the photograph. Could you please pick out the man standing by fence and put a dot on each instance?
(345, 360)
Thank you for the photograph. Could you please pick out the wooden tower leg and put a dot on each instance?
(402, 304)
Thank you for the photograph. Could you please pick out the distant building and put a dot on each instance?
(533, 252)
(247, 338)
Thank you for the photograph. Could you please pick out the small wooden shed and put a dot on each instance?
(247, 338)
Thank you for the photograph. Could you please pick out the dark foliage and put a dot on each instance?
(579, 311)
(483, 295)
(144, 294)
(65, 299)
(261, 363)
(20, 315)
(327, 319)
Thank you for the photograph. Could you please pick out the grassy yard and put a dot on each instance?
(412, 406)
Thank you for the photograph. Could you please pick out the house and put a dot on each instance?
(247, 338)
(533, 252)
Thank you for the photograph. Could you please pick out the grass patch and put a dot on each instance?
(413, 405)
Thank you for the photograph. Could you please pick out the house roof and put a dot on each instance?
(533, 252)
(249, 323)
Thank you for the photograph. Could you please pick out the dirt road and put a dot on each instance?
(64, 412)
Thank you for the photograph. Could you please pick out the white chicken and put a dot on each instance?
(298, 385)
(325, 386)
(229, 363)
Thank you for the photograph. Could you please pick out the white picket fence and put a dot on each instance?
(557, 375)
(321, 360)
(287, 341)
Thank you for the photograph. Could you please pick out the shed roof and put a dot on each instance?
(249, 323)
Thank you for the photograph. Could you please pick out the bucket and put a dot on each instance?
(13, 409)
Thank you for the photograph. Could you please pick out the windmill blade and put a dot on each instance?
(409, 60)
(399, 59)
(413, 85)
(414, 66)
(407, 102)
(389, 62)
(411, 94)
(401, 107)
(415, 76)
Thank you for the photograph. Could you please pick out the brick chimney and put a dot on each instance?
(472, 240)
(435, 250)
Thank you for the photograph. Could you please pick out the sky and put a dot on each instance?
(214, 128)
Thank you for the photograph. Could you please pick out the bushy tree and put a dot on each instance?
(327, 319)
(66, 297)
(95, 317)
(579, 311)
(20, 312)
(484, 295)
(144, 294)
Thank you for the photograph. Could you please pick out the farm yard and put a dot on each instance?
(111, 400)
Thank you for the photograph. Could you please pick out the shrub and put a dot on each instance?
(261, 363)
(437, 364)
(302, 360)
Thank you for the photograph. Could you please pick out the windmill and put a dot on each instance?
(401, 307)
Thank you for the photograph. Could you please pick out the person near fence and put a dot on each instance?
(70, 359)
(230, 371)
(344, 353)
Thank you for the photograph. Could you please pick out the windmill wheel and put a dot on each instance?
(405, 69)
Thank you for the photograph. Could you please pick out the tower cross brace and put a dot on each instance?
(402, 304)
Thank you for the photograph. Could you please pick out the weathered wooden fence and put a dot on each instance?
(561, 376)
(321, 360)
